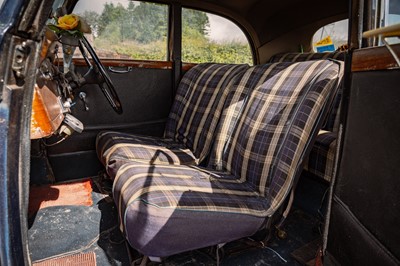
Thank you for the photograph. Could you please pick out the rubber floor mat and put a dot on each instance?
(87, 259)
(76, 193)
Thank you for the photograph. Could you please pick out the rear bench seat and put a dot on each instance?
(269, 117)
(321, 161)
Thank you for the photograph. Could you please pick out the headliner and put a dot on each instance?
(268, 19)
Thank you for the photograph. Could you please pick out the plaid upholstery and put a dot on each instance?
(322, 156)
(276, 125)
(270, 134)
(116, 148)
(253, 78)
(190, 126)
(332, 121)
(194, 207)
(198, 105)
(185, 188)
(299, 57)
(325, 146)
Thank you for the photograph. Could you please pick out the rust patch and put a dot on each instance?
(86, 259)
(76, 193)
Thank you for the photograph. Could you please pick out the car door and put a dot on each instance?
(364, 211)
(19, 43)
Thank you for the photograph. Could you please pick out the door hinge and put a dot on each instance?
(19, 63)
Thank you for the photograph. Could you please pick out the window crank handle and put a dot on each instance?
(82, 96)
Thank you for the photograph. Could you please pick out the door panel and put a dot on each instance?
(146, 96)
(371, 155)
(350, 243)
(365, 211)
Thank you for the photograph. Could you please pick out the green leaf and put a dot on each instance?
(54, 28)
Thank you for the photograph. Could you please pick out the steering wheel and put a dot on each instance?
(100, 75)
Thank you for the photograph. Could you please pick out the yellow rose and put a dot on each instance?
(68, 22)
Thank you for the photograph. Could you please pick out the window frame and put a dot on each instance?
(174, 38)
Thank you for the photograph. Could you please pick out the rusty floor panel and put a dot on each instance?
(87, 259)
(76, 193)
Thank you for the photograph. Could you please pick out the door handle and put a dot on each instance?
(112, 69)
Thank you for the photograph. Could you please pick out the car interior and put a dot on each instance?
(148, 139)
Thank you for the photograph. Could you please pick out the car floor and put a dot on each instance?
(58, 231)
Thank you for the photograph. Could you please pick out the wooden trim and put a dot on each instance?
(129, 63)
(374, 58)
(187, 66)
(136, 63)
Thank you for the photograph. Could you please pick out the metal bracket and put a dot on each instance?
(393, 53)
(21, 53)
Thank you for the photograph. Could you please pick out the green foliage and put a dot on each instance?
(143, 23)
(131, 50)
(92, 19)
(195, 20)
(139, 31)
(197, 49)
(111, 15)
(150, 22)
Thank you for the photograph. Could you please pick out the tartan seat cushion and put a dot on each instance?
(190, 126)
(321, 160)
(194, 207)
(199, 207)
(116, 148)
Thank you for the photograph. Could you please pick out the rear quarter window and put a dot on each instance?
(331, 36)
(211, 38)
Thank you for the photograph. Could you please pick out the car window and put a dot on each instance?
(393, 12)
(331, 36)
(383, 13)
(392, 16)
(210, 38)
(123, 29)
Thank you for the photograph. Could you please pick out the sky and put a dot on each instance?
(221, 29)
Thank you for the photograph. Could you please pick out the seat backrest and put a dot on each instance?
(233, 108)
(198, 104)
(278, 122)
(332, 120)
